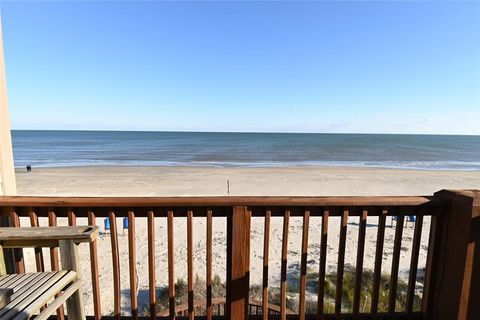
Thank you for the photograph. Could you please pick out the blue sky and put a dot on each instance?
(386, 67)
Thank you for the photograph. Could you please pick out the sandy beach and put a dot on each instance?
(194, 181)
(198, 181)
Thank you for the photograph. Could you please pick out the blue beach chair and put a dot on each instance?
(410, 218)
(125, 225)
(393, 218)
(106, 224)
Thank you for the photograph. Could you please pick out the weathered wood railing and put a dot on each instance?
(452, 278)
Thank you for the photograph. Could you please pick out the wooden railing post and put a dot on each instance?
(8, 256)
(455, 280)
(238, 263)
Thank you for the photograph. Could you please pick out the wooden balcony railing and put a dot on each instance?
(451, 285)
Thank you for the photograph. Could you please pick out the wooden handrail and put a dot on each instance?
(220, 201)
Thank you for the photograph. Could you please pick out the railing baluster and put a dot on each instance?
(378, 261)
(171, 279)
(94, 269)
(283, 284)
(412, 279)
(132, 264)
(9, 256)
(39, 263)
(38, 251)
(191, 312)
(303, 264)
(209, 265)
(323, 262)
(72, 218)
(266, 244)
(359, 266)
(19, 262)
(341, 262)
(115, 264)
(52, 222)
(397, 246)
(151, 264)
(430, 268)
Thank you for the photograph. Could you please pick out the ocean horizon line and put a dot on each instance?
(247, 132)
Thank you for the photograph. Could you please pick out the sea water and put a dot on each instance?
(216, 149)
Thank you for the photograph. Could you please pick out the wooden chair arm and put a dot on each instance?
(45, 236)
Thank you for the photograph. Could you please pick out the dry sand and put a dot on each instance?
(188, 181)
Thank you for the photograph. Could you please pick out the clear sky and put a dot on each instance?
(386, 67)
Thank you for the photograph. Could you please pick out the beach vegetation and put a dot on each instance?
(348, 292)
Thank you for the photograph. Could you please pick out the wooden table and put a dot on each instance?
(35, 290)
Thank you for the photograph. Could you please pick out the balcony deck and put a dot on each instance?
(451, 286)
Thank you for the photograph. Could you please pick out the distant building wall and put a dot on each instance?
(7, 171)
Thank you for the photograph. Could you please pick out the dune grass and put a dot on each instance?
(219, 290)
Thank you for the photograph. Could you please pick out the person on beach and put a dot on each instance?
(29, 168)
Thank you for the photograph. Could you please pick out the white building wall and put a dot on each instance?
(7, 172)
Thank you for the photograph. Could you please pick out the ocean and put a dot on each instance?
(213, 149)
